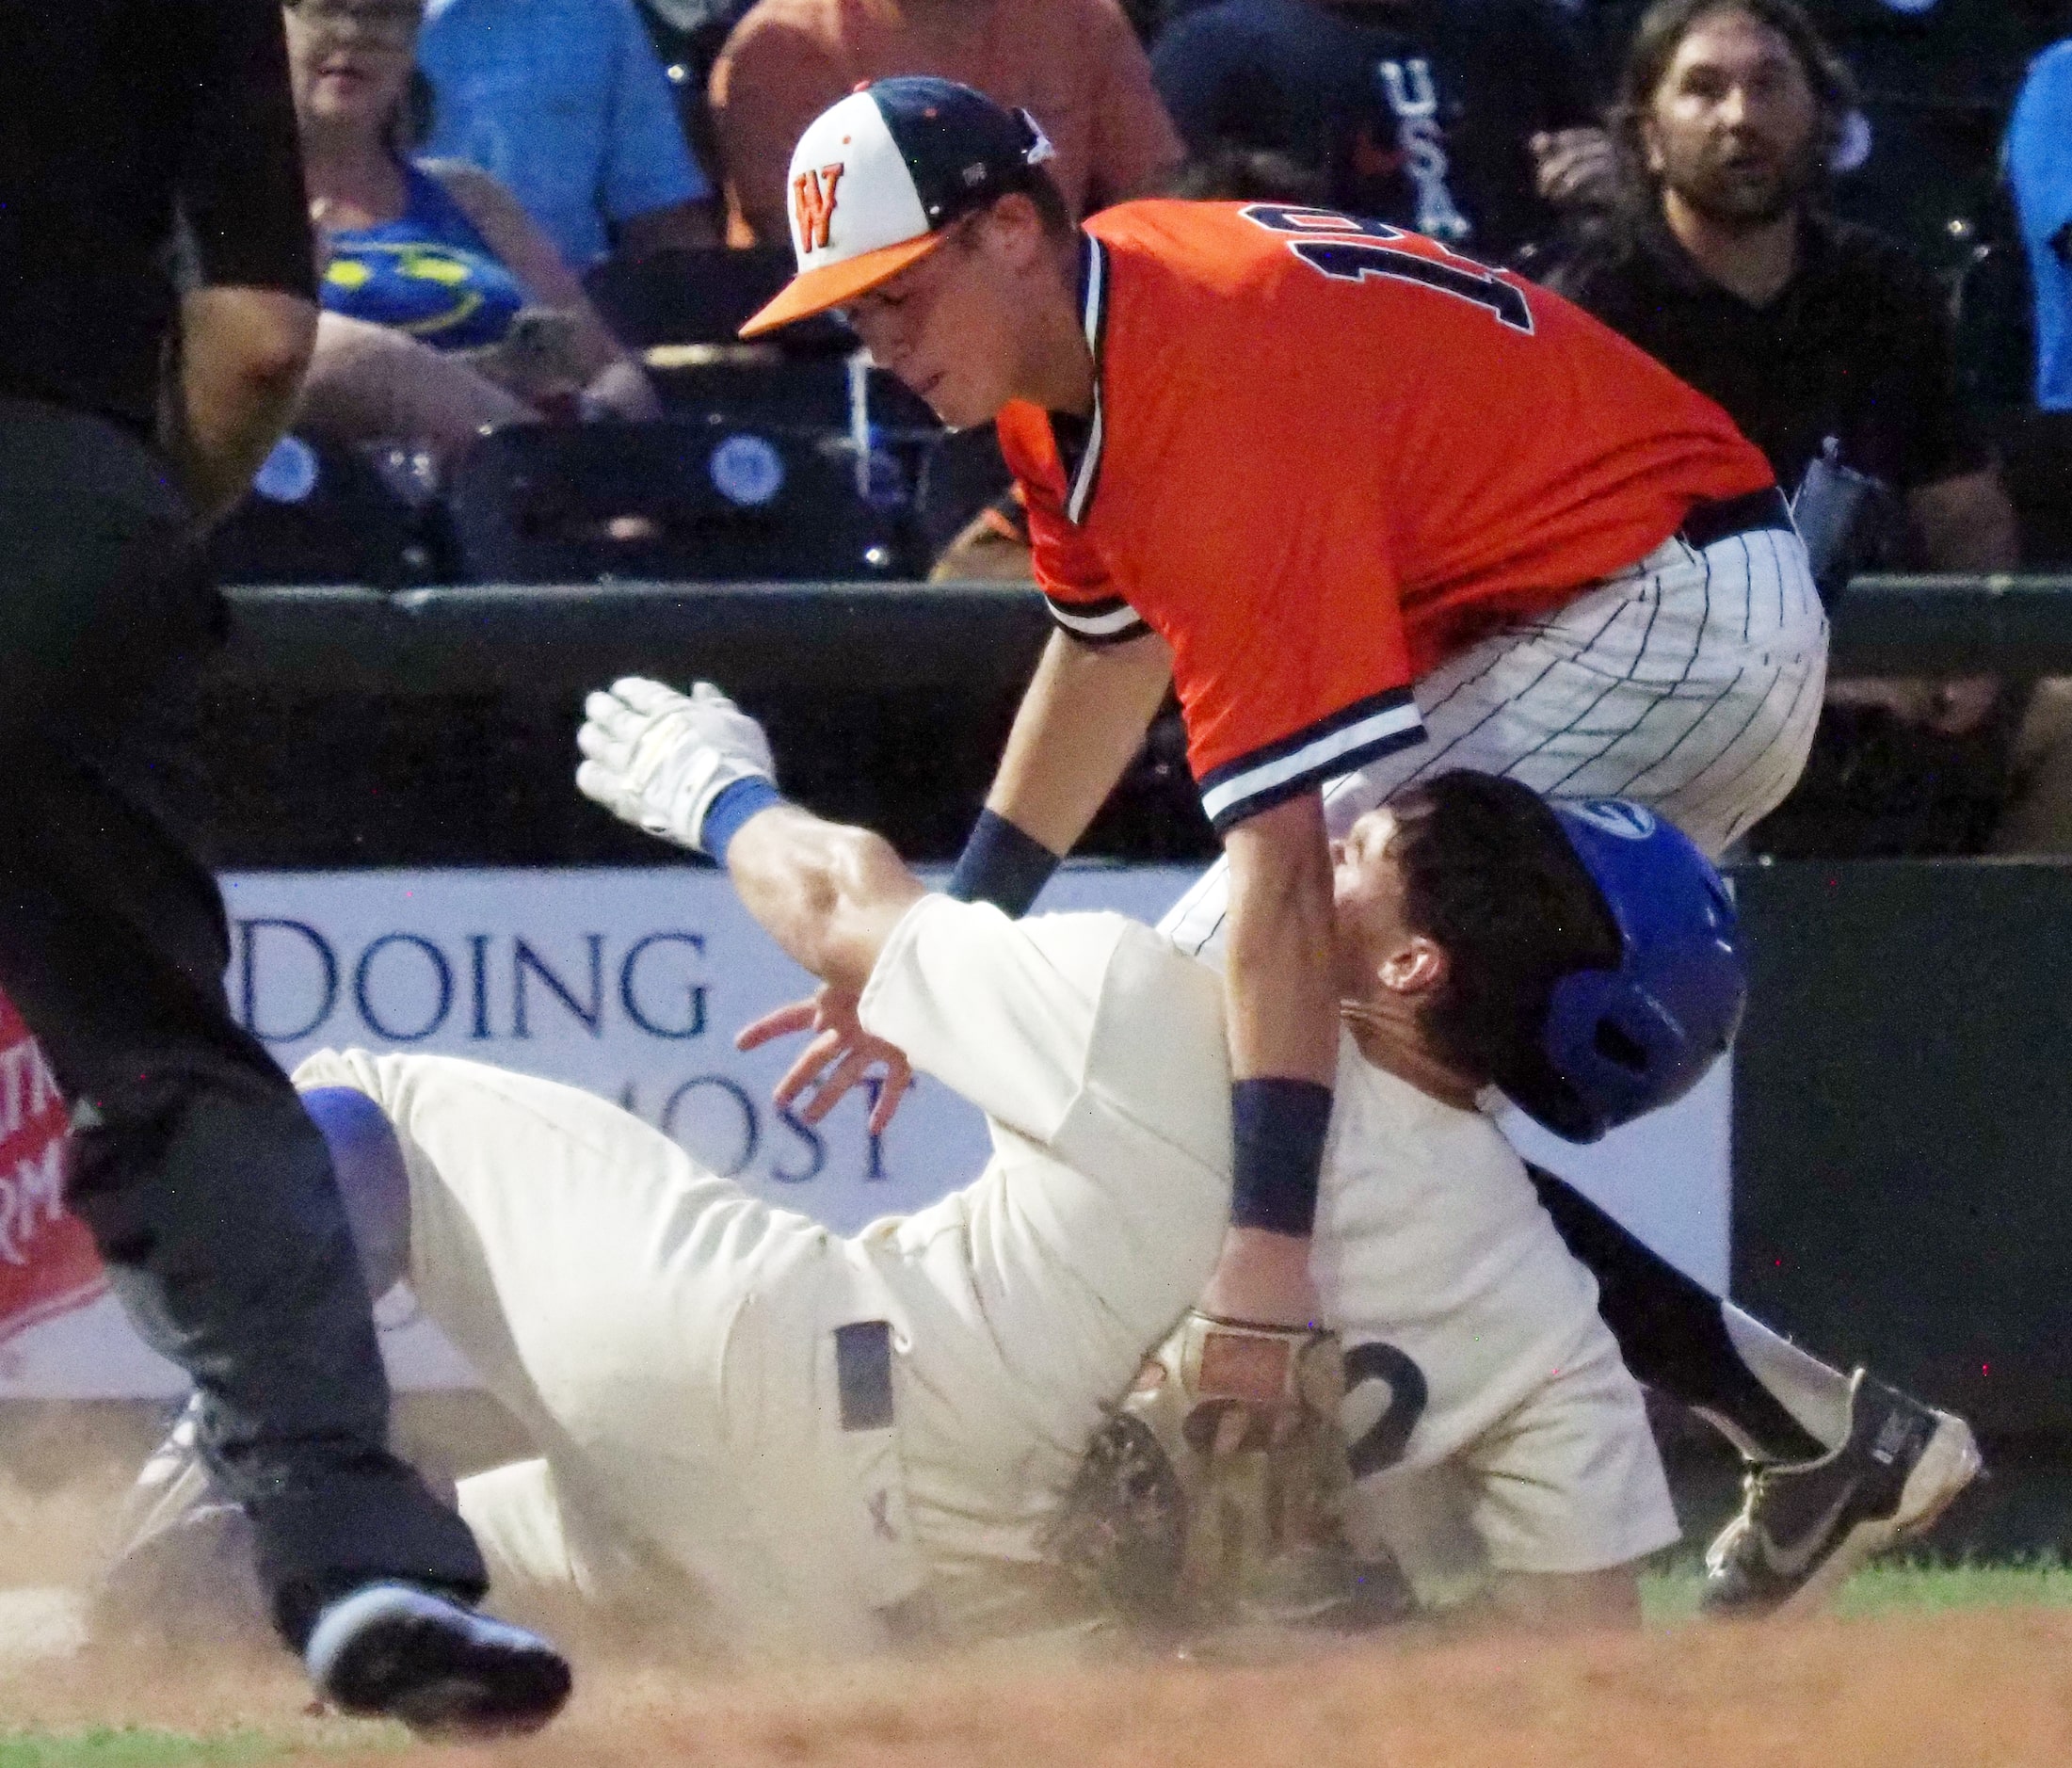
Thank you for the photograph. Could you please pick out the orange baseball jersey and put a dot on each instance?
(1326, 455)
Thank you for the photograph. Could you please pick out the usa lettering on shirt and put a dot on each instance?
(1412, 97)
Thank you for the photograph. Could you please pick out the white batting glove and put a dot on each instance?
(657, 759)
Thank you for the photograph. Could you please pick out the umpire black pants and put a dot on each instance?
(208, 1190)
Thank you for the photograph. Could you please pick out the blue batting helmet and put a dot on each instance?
(1621, 1042)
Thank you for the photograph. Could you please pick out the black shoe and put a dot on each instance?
(399, 1652)
(1803, 1528)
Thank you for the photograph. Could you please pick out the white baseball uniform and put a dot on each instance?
(1691, 682)
(818, 1439)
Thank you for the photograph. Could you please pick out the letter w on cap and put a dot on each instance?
(814, 205)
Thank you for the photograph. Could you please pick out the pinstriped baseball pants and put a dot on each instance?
(1690, 682)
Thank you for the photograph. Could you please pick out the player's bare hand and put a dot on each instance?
(1575, 166)
(1263, 1279)
(839, 1057)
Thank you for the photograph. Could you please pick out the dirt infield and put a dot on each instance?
(1978, 1689)
(1981, 1688)
(1960, 1691)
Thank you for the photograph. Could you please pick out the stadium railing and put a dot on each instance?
(346, 727)
(974, 636)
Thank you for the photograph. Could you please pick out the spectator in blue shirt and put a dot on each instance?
(445, 309)
(2039, 163)
(564, 103)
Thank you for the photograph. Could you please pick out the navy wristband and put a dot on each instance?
(733, 807)
(1277, 1129)
(1002, 866)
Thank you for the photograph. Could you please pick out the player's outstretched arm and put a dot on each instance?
(831, 895)
(1081, 722)
(696, 770)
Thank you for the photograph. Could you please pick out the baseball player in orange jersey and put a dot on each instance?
(1373, 509)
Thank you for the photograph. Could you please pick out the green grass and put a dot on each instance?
(1892, 1589)
(144, 1747)
(1900, 1587)
(129, 1747)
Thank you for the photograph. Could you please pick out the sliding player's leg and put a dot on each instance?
(595, 1276)
(1097, 1052)
(1568, 1498)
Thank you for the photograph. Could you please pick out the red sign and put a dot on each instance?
(48, 1265)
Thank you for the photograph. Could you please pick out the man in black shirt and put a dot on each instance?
(1853, 347)
(132, 414)
(1827, 343)
(1432, 114)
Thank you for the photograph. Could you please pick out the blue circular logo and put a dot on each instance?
(747, 471)
(289, 474)
(1852, 149)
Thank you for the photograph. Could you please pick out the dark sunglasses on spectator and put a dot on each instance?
(382, 21)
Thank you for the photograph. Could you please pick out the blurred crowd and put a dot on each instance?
(1849, 221)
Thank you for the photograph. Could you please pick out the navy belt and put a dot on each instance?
(1708, 523)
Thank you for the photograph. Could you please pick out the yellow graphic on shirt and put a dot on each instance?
(414, 261)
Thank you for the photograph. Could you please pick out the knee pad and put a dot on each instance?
(372, 1180)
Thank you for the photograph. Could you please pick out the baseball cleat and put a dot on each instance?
(1803, 1528)
(399, 1652)
(182, 1574)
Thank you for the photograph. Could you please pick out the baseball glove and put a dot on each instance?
(1212, 1497)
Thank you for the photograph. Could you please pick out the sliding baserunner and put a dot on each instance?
(838, 1442)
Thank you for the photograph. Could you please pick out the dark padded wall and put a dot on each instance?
(1903, 1125)
(342, 728)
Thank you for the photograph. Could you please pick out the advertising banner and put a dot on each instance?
(47, 1261)
(630, 983)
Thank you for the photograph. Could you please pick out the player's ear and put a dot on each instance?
(1416, 966)
(1016, 227)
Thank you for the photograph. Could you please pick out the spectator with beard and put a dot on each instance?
(1470, 120)
(1830, 346)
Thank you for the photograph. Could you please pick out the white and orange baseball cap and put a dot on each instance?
(876, 178)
